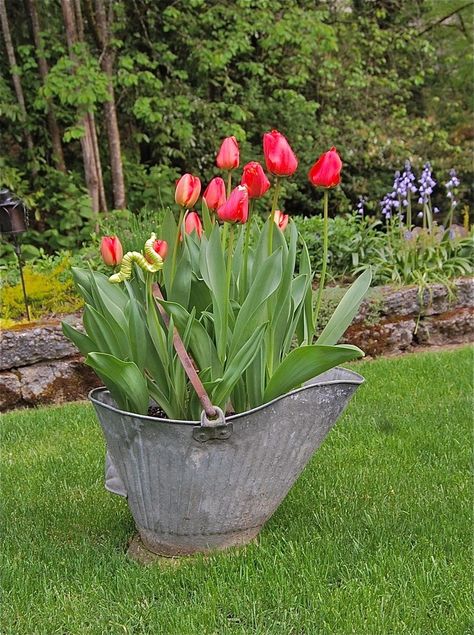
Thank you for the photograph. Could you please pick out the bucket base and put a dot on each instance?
(171, 545)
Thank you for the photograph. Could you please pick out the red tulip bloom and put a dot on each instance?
(215, 195)
(192, 223)
(236, 209)
(281, 219)
(161, 248)
(187, 191)
(111, 250)
(279, 157)
(255, 179)
(326, 172)
(228, 156)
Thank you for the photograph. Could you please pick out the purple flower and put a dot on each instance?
(451, 186)
(404, 185)
(402, 189)
(426, 184)
(361, 205)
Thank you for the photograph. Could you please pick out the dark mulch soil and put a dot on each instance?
(156, 411)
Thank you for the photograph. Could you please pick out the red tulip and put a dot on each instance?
(161, 248)
(228, 156)
(281, 219)
(236, 209)
(279, 157)
(187, 191)
(255, 179)
(215, 195)
(192, 223)
(326, 172)
(111, 250)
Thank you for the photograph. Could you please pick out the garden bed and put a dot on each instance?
(40, 366)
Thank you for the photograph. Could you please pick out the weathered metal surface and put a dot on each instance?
(187, 496)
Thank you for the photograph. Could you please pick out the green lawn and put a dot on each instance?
(374, 539)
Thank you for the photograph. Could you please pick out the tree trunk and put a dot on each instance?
(113, 133)
(15, 76)
(90, 151)
(53, 127)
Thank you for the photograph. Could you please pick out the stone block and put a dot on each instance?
(39, 341)
(384, 337)
(452, 327)
(10, 391)
(57, 381)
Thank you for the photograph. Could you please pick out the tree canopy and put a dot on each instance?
(148, 88)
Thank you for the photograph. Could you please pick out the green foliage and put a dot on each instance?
(352, 241)
(422, 257)
(372, 78)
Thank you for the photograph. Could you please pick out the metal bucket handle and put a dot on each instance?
(213, 423)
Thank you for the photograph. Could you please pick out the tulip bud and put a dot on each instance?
(255, 179)
(326, 172)
(279, 157)
(215, 195)
(228, 156)
(236, 209)
(187, 191)
(281, 219)
(192, 222)
(161, 248)
(111, 250)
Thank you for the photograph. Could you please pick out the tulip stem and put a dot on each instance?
(229, 257)
(325, 258)
(229, 183)
(176, 245)
(228, 278)
(246, 252)
(276, 194)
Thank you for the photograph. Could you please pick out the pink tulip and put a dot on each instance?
(161, 248)
(228, 156)
(281, 219)
(236, 209)
(111, 250)
(215, 195)
(326, 172)
(255, 179)
(192, 222)
(279, 157)
(187, 191)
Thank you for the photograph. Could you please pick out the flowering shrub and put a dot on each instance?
(239, 294)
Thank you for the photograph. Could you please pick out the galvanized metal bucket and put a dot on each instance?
(198, 488)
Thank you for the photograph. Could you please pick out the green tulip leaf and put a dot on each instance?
(346, 310)
(126, 383)
(304, 363)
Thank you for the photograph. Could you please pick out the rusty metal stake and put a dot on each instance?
(186, 361)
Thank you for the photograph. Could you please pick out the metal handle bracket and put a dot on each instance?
(212, 429)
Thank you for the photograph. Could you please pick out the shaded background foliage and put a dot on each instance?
(382, 80)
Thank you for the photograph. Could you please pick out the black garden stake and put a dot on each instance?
(14, 221)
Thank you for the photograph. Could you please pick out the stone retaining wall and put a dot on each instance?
(38, 365)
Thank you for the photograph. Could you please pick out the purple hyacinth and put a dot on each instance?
(391, 200)
(426, 184)
(404, 185)
(451, 186)
(361, 205)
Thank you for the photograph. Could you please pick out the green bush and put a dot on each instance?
(49, 288)
(353, 241)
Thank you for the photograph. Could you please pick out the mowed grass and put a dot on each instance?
(374, 539)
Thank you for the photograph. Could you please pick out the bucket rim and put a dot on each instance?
(352, 378)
